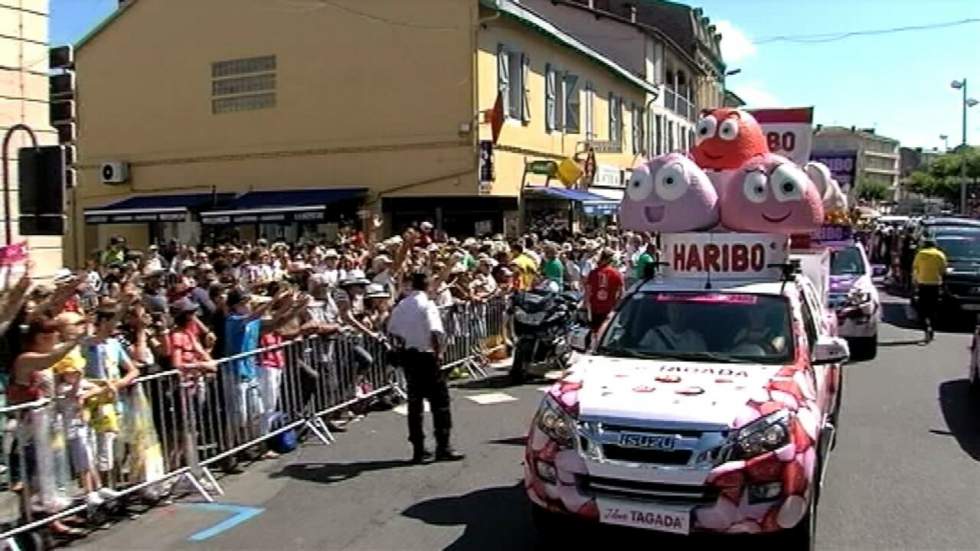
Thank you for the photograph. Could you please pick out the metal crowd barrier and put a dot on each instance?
(175, 426)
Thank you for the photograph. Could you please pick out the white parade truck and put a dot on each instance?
(707, 403)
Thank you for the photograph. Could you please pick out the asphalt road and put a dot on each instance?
(903, 476)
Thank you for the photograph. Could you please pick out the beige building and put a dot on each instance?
(672, 46)
(300, 116)
(877, 156)
(24, 100)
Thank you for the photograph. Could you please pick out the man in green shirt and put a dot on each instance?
(551, 267)
(648, 256)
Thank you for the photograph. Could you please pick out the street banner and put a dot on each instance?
(725, 255)
(788, 131)
(842, 165)
(13, 264)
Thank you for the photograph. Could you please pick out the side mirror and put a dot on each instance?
(579, 338)
(830, 350)
(879, 270)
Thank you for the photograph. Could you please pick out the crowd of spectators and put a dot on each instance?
(87, 336)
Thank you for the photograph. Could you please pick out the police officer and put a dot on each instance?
(416, 322)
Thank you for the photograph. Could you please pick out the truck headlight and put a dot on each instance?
(556, 423)
(762, 435)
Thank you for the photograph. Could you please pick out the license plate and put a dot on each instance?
(675, 520)
(971, 307)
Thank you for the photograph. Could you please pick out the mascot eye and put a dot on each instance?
(640, 185)
(706, 128)
(787, 183)
(728, 130)
(671, 182)
(754, 187)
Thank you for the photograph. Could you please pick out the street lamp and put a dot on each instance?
(732, 72)
(967, 103)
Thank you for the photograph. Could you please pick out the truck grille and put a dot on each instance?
(649, 491)
(636, 455)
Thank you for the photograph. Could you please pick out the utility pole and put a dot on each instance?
(967, 103)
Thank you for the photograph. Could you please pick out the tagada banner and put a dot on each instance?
(788, 131)
(725, 255)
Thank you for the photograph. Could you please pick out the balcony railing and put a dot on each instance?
(679, 104)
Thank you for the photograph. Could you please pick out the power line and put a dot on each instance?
(833, 37)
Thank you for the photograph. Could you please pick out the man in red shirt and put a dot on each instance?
(603, 288)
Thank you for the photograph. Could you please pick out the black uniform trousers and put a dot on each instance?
(426, 382)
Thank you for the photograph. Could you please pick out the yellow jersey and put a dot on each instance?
(929, 266)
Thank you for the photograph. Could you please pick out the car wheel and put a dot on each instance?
(545, 522)
(803, 536)
(864, 348)
(974, 377)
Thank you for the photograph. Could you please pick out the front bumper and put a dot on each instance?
(717, 500)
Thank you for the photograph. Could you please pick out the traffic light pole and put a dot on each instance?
(7, 222)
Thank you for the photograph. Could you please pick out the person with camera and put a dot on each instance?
(416, 323)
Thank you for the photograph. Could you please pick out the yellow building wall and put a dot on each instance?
(521, 141)
(369, 94)
(24, 100)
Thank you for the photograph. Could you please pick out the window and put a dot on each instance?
(512, 76)
(571, 101)
(809, 323)
(638, 121)
(589, 111)
(670, 136)
(243, 84)
(615, 119)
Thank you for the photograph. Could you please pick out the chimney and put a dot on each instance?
(591, 4)
(632, 9)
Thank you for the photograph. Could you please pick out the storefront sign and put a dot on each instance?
(135, 217)
(788, 132)
(543, 168)
(487, 171)
(608, 176)
(264, 217)
(830, 233)
(485, 188)
(842, 165)
(724, 255)
(606, 146)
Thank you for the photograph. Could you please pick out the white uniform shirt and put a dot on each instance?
(414, 319)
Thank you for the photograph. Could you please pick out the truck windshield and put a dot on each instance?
(959, 243)
(701, 326)
(847, 261)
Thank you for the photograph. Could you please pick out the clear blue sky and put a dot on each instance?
(897, 83)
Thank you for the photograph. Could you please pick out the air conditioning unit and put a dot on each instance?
(115, 172)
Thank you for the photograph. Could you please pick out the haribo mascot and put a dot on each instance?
(770, 194)
(669, 194)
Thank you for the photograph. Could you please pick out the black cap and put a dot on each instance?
(236, 297)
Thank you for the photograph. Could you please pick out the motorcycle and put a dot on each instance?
(542, 318)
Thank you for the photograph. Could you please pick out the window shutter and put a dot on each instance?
(525, 86)
(559, 100)
(572, 103)
(589, 113)
(612, 117)
(503, 76)
(549, 97)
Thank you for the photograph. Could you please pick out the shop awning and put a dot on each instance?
(306, 205)
(591, 203)
(154, 208)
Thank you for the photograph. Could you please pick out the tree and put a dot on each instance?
(873, 191)
(942, 177)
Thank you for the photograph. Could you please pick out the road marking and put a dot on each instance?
(403, 408)
(544, 388)
(241, 514)
(491, 398)
(554, 375)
